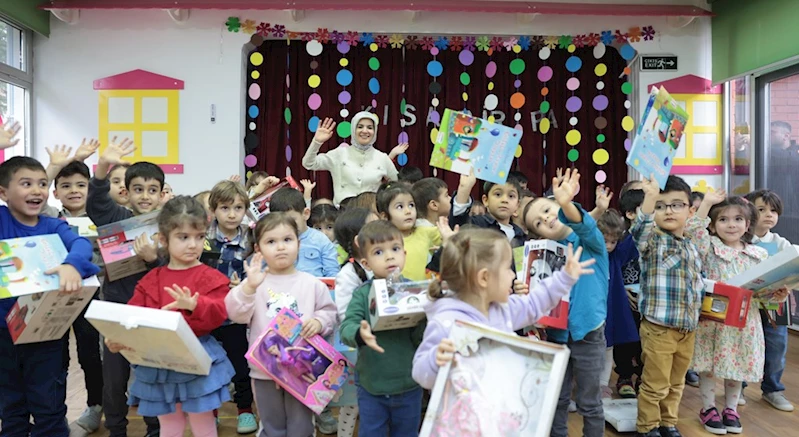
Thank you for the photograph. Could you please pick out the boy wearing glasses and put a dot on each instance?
(670, 301)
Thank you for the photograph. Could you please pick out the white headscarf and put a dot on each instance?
(355, 120)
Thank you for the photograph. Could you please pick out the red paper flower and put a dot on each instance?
(578, 41)
(427, 42)
(279, 30)
(352, 38)
(412, 42)
(263, 29)
(634, 35)
(322, 35)
(308, 36)
(382, 41)
(592, 39)
(456, 43)
(621, 38)
(649, 33)
(496, 43)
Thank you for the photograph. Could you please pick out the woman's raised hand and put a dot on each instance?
(325, 131)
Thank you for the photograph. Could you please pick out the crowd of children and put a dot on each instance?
(635, 277)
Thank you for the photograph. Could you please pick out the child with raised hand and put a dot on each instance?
(389, 400)
(197, 291)
(723, 351)
(261, 296)
(769, 207)
(395, 203)
(476, 266)
(566, 222)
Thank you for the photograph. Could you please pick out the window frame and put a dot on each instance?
(22, 79)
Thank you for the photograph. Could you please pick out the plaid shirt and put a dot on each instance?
(671, 276)
(232, 252)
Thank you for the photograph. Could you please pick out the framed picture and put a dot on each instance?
(498, 384)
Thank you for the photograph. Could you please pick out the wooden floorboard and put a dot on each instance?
(758, 418)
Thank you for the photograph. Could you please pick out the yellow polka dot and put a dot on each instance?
(344, 62)
(571, 48)
(373, 46)
(517, 48)
(491, 119)
(544, 125)
(601, 156)
(255, 74)
(465, 96)
(518, 151)
(600, 69)
(314, 81)
(491, 86)
(249, 174)
(434, 135)
(256, 59)
(573, 137)
(627, 123)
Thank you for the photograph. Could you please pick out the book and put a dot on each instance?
(23, 262)
(771, 274)
(465, 142)
(658, 136)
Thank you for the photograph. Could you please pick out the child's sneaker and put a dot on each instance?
(778, 401)
(572, 407)
(712, 421)
(246, 423)
(732, 421)
(625, 389)
(90, 419)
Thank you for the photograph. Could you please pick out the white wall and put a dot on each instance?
(209, 59)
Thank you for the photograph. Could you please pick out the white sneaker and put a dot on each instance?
(572, 407)
(778, 401)
(91, 417)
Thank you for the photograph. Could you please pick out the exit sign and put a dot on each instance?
(658, 63)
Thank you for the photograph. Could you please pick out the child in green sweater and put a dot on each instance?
(389, 400)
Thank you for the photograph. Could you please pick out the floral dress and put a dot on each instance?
(725, 351)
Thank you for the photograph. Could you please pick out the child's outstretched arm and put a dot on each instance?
(527, 309)
(240, 301)
(642, 226)
(696, 226)
(603, 196)
(461, 202)
(435, 351)
(582, 223)
(100, 207)
(79, 257)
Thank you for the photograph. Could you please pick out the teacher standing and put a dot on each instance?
(355, 169)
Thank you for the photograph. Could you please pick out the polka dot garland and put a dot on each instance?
(600, 103)
(344, 79)
(517, 99)
(544, 74)
(256, 59)
(287, 111)
(374, 83)
(573, 104)
(627, 123)
(314, 48)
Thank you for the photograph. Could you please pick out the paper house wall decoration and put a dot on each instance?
(144, 107)
(700, 148)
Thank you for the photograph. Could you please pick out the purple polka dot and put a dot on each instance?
(344, 97)
(466, 57)
(574, 104)
(600, 102)
(545, 73)
(627, 144)
(517, 83)
(374, 103)
(250, 160)
(343, 47)
(402, 138)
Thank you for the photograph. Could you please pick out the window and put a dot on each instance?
(740, 125)
(16, 84)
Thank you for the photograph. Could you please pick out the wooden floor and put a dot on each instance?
(758, 418)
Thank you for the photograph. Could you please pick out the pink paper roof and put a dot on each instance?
(138, 80)
(688, 84)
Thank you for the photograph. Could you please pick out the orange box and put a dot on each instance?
(725, 304)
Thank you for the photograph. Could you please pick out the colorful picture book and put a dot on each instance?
(465, 142)
(499, 384)
(658, 137)
(23, 262)
(765, 278)
(311, 370)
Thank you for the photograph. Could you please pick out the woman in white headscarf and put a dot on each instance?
(355, 169)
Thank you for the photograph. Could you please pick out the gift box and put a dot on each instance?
(83, 226)
(396, 305)
(39, 317)
(259, 207)
(542, 258)
(725, 303)
(498, 384)
(309, 369)
(116, 240)
(23, 262)
(151, 337)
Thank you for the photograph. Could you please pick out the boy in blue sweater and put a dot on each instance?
(563, 221)
(33, 376)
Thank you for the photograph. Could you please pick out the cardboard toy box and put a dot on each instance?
(83, 226)
(309, 369)
(499, 384)
(397, 305)
(259, 207)
(542, 258)
(116, 244)
(725, 303)
(153, 338)
(23, 262)
(39, 317)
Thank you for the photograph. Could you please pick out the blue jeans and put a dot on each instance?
(776, 347)
(394, 415)
(33, 383)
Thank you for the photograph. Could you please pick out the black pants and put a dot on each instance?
(116, 372)
(88, 341)
(234, 340)
(627, 356)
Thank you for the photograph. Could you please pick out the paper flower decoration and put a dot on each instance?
(308, 36)
(564, 41)
(442, 43)
(412, 42)
(336, 37)
(524, 43)
(248, 27)
(578, 41)
(233, 24)
(456, 43)
(367, 39)
(279, 30)
(469, 43)
(551, 41)
(537, 42)
(510, 43)
(396, 40)
(649, 33)
(496, 43)
(322, 35)
(292, 35)
(351, 38)
(483, 44)
(263, 29)
(621, 38)
(382, 41)
(606, 37)
(427, 43)
(592, 39)
(634, 35)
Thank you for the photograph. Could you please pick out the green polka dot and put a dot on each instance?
(374, 64)
(344, 129)
(600, 138)
(544, 107)
(517, 66)
(626, 87)
(287, 115)
(465, 79)
(573, 155)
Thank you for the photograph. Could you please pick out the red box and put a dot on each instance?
(259, 207)
(725, 304)
(542, 258)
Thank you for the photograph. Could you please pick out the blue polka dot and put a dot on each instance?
(253, 111)
(402, 159)
(627, 52)
(313, 124)
(434, 68)
(573, 64)
(344, 77)
(374, 85)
